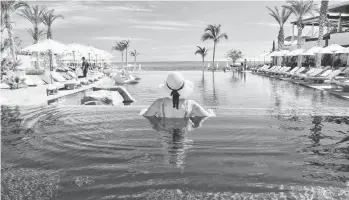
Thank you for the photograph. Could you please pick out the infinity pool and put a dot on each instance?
(270, 140)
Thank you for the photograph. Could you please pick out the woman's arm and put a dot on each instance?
(153, 109)
(199, 111)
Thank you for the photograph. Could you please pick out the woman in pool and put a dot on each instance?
(178, 106)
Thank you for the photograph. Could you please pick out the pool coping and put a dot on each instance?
(326, 87)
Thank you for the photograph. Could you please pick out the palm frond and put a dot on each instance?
(274, 14)
(201, 50)
(30, 31)
(222, 36)
(41, 33)
(19, 4)
(207, 36)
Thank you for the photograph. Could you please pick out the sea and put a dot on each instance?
(179, 65)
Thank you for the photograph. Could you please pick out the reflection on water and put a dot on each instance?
(315, 131)
(174, 136)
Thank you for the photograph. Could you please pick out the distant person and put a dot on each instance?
(178, 106)
(85, 66)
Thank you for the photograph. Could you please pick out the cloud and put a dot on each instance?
(129, 8)
(173, 23)
(156, 27)
(117, 38)
(80, 20)
(269, 24)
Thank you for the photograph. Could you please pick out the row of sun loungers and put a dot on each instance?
(61, 80)
(337, 78)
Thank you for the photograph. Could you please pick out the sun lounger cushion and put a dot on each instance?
(59, 85)
(57, 77)
(65, 75)
(37, 80)
(72, 74)
(5, 86)
(326, 73)
(46, 79)
(28, 81)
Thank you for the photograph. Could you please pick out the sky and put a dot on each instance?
(162, 30)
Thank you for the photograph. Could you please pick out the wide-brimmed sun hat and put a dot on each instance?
(176, 82)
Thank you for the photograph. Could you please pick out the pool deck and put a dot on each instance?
(323, 87)
(37, 95)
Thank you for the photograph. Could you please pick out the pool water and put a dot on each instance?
(270, 140)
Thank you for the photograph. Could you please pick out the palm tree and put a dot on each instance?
(48, 18)
(7, 8)
(212, 32)
(322, 21)
(120, 47)
(300, 9)
(35, 16)
(203, 52)
(134, 54)
(126, 44)
(281, 20)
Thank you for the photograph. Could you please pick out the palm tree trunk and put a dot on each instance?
(203, 67)
(36, 39)
(126, 61)
(280, 43)
(49, 32)
(8, 25)
(214, 51)
(36, 34)
(320, 41)
(122, 59)
(299, 44)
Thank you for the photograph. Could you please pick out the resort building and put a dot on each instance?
(336, 31)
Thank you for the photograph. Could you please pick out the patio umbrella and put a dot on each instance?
(46, 45)
(296, 52)
(312, 51)
(332, 49)
(274, 53)
(282, 53)
(49, 45)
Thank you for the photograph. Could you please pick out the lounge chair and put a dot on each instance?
(51, 89)
(28, 81)
(261, 68)
(47, 80)
(327, 75)
(291, 72)
(69, 85)
(343, 75)
(285, 69)
(271, 69)
(276, 70)
(314, 72)
(297, 72)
